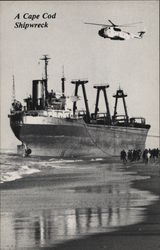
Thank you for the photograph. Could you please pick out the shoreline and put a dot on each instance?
(140, 236)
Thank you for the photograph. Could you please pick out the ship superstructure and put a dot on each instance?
(46, 126)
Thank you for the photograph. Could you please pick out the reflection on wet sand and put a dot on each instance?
(49, 226)
(53, 226)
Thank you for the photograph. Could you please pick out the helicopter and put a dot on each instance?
(114, 32)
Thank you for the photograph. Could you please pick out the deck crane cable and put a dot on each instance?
(94, 141)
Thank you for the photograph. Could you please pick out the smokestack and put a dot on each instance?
(38, 93)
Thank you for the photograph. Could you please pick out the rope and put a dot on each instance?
(156, 136)
(94, 141)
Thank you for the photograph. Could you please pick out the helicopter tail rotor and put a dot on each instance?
(141, 33)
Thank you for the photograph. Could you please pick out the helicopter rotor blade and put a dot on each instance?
(112, 23)
(99, 24)
(127, 25)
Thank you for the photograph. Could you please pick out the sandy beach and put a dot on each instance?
(141, 236)
(48, 203)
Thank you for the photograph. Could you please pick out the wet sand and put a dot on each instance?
(141, 236)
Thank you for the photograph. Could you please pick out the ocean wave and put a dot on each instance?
(54, 160)
(97, 159)
(18, 174)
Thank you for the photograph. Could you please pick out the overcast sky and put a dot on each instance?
(133, 65)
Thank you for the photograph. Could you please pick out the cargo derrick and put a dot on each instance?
(124, 118)
(102, 118)
(77, 84)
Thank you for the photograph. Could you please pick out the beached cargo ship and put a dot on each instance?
(46, 126)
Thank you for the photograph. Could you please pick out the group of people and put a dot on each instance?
(150, 154)
(136, 155)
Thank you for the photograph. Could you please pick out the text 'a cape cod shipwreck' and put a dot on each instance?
(46, 126)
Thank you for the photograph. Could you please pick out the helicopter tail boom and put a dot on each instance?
(140, 34)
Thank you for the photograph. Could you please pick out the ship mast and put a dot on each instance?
(63, 82)
(13, 90)
(45, 59)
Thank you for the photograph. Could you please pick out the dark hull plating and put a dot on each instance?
(74, 138)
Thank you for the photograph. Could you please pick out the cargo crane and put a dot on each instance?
(120, 95)
(107, 117)
(77, 84)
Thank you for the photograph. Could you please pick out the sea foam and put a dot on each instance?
(17, 174)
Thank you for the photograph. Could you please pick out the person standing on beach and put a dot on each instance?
(123, 156)
(148, 155)
(129, 156)
(145, 156)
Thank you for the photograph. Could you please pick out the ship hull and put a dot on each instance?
(58, 137)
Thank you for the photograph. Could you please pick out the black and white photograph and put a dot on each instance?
(80, 151)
